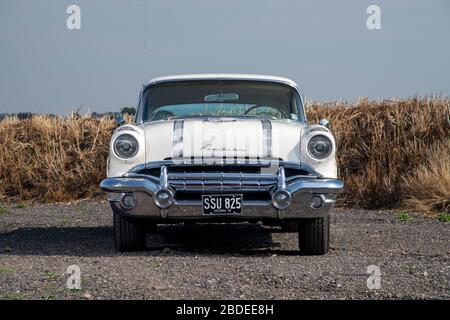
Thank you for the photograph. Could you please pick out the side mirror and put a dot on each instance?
(119, 121)
(325, 123)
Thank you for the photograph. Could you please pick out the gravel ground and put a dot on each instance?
(238, 261)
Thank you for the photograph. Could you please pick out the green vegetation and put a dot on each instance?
(155, 264)
(52, 275)
(404, 216)
(128, 111)
(21, 206)
(444, 217)
(5, 270)
(65, 222)
(408, 269)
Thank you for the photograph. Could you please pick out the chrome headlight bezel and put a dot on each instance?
(126, 137)
(325, 142)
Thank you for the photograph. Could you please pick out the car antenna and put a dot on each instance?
(144, 52)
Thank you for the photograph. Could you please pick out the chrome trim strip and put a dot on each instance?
(136, 169)
(267, 137)
(281, 179)
(326, 186)
(129, 185)
(178, 127)
(140, 176)
(126, 129)
(163, 178)
(221, 176)
(262, 163)
(218, 187)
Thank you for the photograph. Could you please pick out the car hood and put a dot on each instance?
(222, 137)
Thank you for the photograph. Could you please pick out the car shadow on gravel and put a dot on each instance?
(220, 239)
(208, 239)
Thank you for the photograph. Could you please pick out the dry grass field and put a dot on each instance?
(391, 153)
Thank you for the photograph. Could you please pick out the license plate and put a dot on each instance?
(222, 204)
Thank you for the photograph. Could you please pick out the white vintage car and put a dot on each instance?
(222, 148)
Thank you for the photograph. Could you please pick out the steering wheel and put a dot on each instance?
(162, 115)
(271, 115)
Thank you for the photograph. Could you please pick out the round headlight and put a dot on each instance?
(320, 147)
(126, 146)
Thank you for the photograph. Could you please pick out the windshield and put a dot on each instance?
(221, 98)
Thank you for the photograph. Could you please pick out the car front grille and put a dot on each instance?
(190, 182)
(221, 181)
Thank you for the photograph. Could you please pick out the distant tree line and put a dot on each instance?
(27, 115)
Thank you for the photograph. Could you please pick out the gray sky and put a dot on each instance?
(324, 46)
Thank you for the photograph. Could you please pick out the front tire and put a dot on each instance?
(129, 234)
(314, 235)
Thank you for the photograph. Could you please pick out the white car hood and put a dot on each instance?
(222, 137)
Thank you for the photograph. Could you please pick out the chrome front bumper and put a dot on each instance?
(143, 188)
